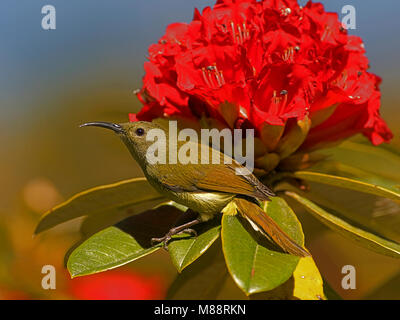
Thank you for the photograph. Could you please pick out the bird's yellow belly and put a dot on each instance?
(207, 204)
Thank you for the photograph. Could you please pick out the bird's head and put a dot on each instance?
(135, 135)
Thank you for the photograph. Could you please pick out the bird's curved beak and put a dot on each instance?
(108, 125)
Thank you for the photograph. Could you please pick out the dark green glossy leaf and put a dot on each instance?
(108, 249)
(344, 176)
(189, 248)
(203, 279)
(134, 195)
(305, 284)
(122, 243)
(255, 263)
(372, 213)
(208, 278)
(367, 239)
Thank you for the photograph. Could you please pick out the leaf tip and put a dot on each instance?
(71, 274)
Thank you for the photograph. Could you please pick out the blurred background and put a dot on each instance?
(52, 81)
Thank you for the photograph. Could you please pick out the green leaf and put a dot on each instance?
(202, 280)
(255, 263)
(305, 284)
(125, 242)
(344, 176)
(367, 239)
(106, 250)
(208, 278)
(378, 215)
(103, 202)
(189, 248)
(379, 160)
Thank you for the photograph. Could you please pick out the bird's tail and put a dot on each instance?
(269, 227)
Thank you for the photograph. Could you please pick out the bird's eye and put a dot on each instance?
(139, 131)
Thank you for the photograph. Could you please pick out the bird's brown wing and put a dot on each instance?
(213, 177)
(226, 179)
(220, 177)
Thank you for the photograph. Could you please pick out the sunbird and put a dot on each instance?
(202, 186)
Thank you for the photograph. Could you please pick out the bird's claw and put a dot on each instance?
(189, 231)
(168, 237)
(164, 240)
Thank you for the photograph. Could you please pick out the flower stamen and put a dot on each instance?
(205, 78)
(280, 102)
(210, 72)
(288, 54)
(240, 33)
(284, 93)
(221, 74)
(246, 32)
(217, 76)
(326, 33)
(342, 81)
(213, 77)
(233, 31)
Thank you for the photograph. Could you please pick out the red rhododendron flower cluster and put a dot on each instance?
(265, 65)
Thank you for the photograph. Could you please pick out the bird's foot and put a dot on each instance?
(189, 231)
(175, 231)
(167, 238)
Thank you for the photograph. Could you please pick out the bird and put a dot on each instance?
(202, 186)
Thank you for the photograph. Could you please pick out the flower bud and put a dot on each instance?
(321, 115)
(229, 112)
(293, 138)
(267, 162)
(271, 135)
